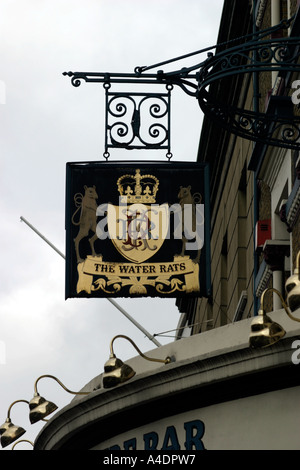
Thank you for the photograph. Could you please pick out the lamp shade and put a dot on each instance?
(116, 372)
(40, 408)
(10, 433)
(292, 288)
(264, 332)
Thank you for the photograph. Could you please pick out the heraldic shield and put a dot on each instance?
(138, 231)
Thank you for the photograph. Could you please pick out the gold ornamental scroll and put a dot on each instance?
(181, 274)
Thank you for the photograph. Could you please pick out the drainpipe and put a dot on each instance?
(275, 19)
(275, 12)
(277, 284)
(255, 202)
(277, 273)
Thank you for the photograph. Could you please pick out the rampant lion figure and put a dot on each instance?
(186, 197)
(87, 220)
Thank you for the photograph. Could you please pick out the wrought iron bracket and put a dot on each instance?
(134, 119)
(277, 125)
(137, 120)
(261, 52)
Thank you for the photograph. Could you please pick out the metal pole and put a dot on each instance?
(42, 236)
(255, 200)
(113, 302)
(140, 327)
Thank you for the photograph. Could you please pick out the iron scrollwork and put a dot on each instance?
(270, 128)
(254, 56)
(277, 126)
(137, 120)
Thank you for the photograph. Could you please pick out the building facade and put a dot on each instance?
(254, 188)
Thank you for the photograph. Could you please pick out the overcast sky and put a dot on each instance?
(46, 122)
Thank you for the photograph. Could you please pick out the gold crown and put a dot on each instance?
(137, 188)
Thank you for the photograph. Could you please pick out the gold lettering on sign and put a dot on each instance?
(181, 274)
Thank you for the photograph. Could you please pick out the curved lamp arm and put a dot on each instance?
(59, 382)
(22, 440)
(12, 404)
(297, 270)
(271, 289)
(112, 354)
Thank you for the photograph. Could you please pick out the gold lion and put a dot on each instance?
(87, 220)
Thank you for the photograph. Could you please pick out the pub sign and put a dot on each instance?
(137, 230)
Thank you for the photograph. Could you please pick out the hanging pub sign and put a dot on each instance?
(137, 229)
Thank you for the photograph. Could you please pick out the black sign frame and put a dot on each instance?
(154, 266)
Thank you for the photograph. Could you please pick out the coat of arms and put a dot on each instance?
(138, 226)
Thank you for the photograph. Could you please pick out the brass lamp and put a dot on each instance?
(116, 372)
(264, 331)
(39, 407)
(10, 432)
(292, 287)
